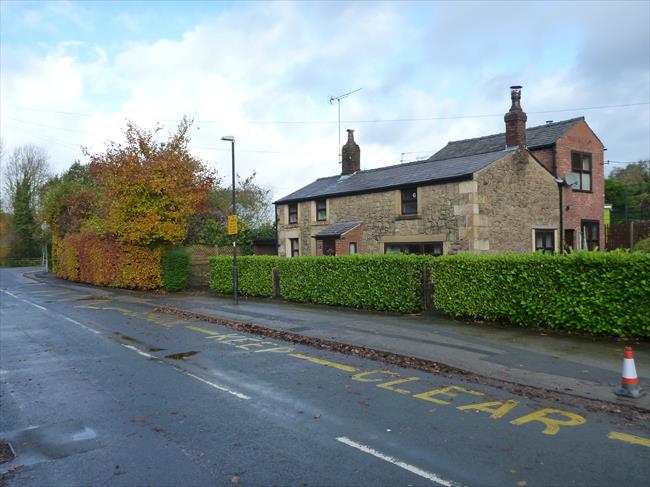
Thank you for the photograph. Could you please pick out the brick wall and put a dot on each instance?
(583, 206)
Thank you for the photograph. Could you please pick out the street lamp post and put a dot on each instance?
(235, 296)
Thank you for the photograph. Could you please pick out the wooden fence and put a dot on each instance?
(625, 235)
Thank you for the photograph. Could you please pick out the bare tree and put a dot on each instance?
(28, 166)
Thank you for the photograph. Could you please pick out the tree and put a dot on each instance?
(149, 190)
(254, 209)
(26, 230)
(631, 182)
(27, 166)
(254, 204)
(69, 200)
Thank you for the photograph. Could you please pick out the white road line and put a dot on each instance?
(216, 386)
(12, 294)
(82, 325)
(138, 351)
(34, 304)
(387, 458)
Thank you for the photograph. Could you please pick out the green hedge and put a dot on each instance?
(254, 274)
(595, 292)
(382, 282)
(605, 293)
(175, 268)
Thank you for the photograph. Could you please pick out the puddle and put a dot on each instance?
(92, 297)
(127, 338)
(155, 349)
(40, 443)
(181, 356)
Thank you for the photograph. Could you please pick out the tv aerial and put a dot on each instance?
(338, 100)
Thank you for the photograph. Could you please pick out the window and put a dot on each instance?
(410, 201)
(353, 248)
(293, 213)
(581, 171)
(295, 250)
(590, 240)
(428, 248)
(321, 210)
(545, 240)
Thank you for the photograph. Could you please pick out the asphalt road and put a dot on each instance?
(98, 391)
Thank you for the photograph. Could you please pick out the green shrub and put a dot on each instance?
(595, 292)
(175, 268)
(382, 282)
(643, 245)
(254, 274)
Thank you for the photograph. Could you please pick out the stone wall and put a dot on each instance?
(514, 196)
(437, 219)
(495, 212)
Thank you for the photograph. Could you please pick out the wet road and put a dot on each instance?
(97, 389)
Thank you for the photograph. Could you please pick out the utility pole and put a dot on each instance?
(338, 100)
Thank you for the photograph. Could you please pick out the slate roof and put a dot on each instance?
(335, 230)
(400, 175)
(536, 137)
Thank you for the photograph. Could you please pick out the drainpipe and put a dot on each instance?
(277, 232)
(560, 184)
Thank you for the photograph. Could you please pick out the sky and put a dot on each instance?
(73, 73)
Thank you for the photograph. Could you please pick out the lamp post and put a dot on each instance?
(235, 297)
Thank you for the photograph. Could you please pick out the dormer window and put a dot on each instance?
(321, 210)
(410, 201)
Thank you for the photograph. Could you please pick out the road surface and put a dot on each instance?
(105, 391)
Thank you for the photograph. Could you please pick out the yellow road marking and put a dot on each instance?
(201, 330)
(327, 363)
(552, 426)
(635, 440)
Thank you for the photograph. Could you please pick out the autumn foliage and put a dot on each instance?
(113, 220)
(87, 257)
(150, 189)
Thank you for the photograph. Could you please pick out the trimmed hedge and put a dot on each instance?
(254, 274)
(595, 292)
(175, 268)
(382, 282)
(390, 283)
(88, 257)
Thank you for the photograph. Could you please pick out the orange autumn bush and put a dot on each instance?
(114, 218)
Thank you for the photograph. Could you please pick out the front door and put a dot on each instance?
(569, 239)
(329, 246)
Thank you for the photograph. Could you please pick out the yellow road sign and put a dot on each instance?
(232, 224)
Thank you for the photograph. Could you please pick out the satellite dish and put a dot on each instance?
(572, 179)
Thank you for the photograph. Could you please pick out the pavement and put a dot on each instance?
(581, 366)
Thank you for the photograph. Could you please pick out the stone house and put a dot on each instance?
(572, 152)
(488, 195)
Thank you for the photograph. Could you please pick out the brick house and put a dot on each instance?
(487, 195)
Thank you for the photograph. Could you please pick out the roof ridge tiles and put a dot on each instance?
(545, 125)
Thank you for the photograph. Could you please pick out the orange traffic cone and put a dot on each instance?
(630, 383)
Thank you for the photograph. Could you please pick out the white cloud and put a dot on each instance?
(282, 62)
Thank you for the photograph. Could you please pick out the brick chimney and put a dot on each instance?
(350, 155)
(515, 121)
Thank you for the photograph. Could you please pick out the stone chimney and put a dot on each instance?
(515, 121)
(350, 155)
